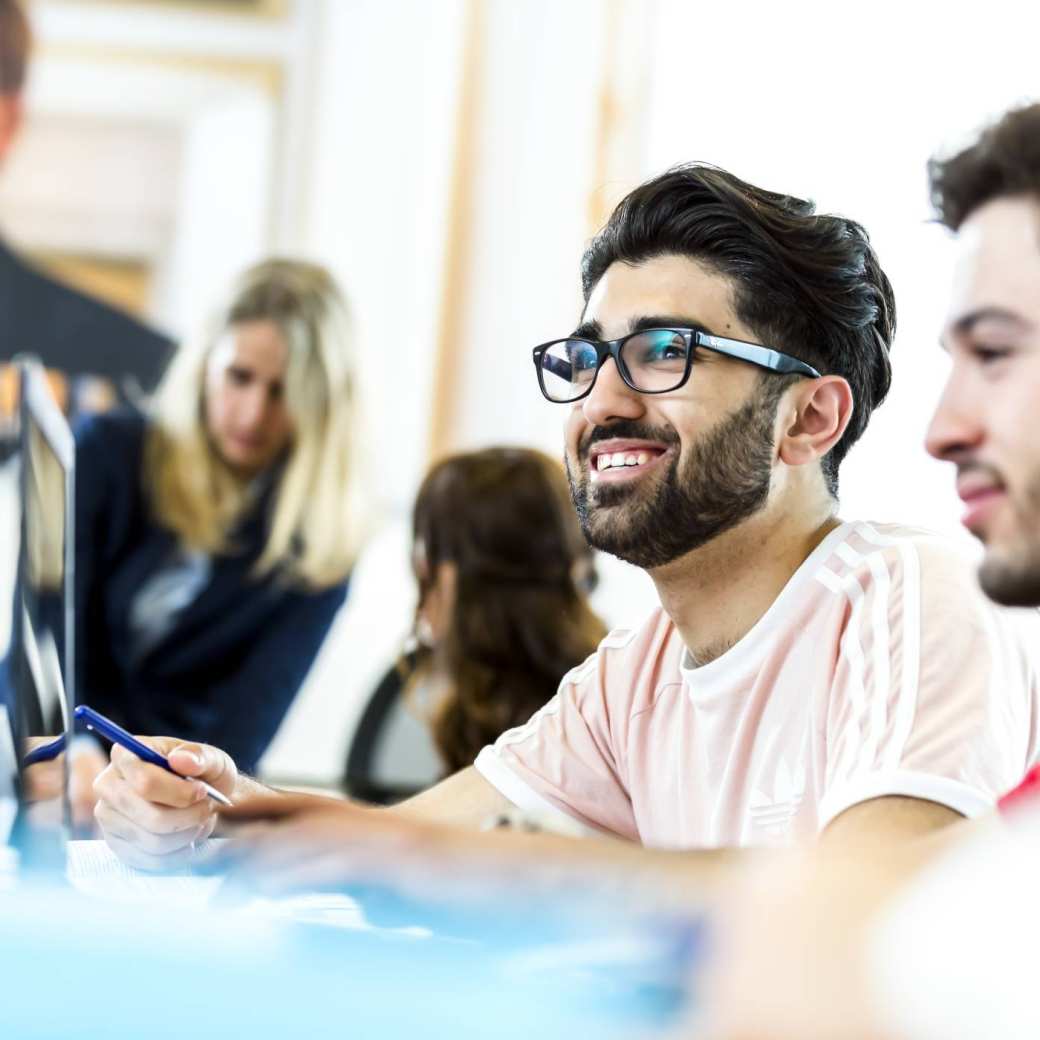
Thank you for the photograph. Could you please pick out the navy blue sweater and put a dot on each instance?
(228, 670)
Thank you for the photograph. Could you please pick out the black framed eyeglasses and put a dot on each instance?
(652, 361)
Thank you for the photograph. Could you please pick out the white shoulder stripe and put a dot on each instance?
(518, 734)
(882, 648)
(852, 651)
(576, 676)
(906, 702)
(906, 706)
(869, 533)
(830, 580)
(579, 673)
(617, 638)
(848, 554)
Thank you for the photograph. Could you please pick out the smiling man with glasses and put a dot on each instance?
(803, 676)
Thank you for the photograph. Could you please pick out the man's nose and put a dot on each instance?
(957, 425)
(611, 398)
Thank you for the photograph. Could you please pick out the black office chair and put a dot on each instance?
(364, 779)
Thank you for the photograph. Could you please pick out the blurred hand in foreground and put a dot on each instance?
(43, 781)
(284, 842)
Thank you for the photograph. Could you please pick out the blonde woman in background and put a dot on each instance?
(216, 532)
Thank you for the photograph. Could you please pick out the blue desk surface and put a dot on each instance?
(72, 966)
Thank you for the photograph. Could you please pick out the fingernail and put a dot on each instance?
(196, 759)
(200, 793)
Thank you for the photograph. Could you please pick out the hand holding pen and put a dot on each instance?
(156, 795)
(152, 817)
(85, 718)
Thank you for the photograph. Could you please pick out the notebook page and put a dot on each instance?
(95, 870)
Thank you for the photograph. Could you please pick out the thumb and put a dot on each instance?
(204, 763)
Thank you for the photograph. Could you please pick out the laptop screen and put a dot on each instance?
(39, 662)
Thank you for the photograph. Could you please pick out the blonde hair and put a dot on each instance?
(315, 524)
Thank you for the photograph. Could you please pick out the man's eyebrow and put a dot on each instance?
(593, 329)
(967, 322)
(588, 330)
(668, 321)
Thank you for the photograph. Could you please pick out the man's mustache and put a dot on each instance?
(627, 429)
(966, 466)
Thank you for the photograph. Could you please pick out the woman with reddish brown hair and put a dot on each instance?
(504, 574)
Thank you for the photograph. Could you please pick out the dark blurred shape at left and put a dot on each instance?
(95, 352)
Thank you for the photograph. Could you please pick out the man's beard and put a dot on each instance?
(1012, 578)
(724, 479)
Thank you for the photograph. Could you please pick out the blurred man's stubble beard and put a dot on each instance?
(1013, 578)
(724, 480)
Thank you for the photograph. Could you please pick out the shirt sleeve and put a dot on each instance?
(933, 696)
(562, 767)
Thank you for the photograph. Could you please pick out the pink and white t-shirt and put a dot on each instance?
(881, 669)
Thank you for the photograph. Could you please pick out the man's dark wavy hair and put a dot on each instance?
(1005, 160)
(808, 284)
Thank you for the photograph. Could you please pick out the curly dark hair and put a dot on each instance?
(1005, 160)
(14, 46)
(521, 618)
(808, 284)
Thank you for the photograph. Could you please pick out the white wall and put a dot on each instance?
(384, 137)
(535, 145)
(223, 204)
(115, 205)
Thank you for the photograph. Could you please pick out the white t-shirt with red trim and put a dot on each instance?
(880, 669)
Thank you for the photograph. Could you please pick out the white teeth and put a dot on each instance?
(620, 459)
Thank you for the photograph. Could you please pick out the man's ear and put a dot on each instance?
(816, 415)
(10, 121)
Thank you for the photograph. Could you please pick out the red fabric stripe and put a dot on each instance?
(1027, 791)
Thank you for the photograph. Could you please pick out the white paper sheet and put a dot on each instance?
(96, 871)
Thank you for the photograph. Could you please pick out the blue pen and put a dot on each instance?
(93, 720)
